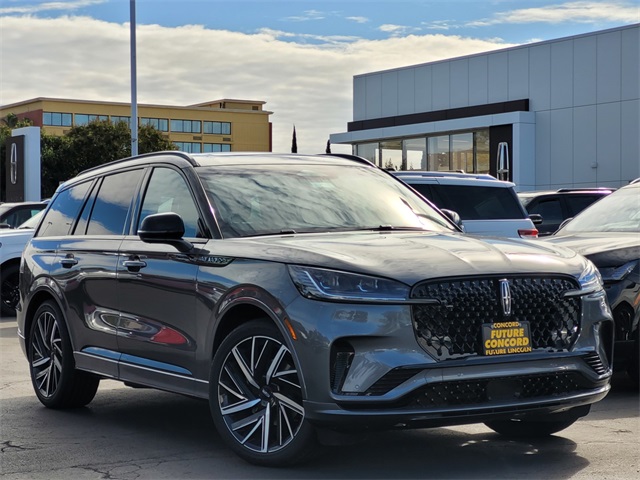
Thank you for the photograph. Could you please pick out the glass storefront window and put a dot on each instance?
(481, 141)
(391, 154)
(416, 153)
(368, 151)
(462, 152)
(438, 153)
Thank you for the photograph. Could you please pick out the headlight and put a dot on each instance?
(590, 280)
(319, 283)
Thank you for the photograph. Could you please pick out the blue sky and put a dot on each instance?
(298, 56)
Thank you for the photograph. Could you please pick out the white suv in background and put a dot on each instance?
(486, 206)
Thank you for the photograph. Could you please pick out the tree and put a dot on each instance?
(328, 149)
(294, 142)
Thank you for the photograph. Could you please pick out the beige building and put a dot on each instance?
(217, 126)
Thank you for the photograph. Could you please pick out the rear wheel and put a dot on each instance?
(256, 397)
(55, 380)
(9, 295)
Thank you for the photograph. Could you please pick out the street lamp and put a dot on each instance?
(134, 93)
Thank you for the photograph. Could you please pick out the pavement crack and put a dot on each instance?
(9, 445)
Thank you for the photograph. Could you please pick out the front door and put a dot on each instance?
(157, 290)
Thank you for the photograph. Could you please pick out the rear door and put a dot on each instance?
(85, 270)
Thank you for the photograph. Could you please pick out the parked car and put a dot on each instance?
(608, 233)
(300, 305)
(486, 206)
(556, 206)
(13, 214)
(12, 243)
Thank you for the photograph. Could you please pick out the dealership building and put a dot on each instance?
(546, 115)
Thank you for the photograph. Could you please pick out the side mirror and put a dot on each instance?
(536, 218)
(164, 228)
(5, 225)
(453, 216)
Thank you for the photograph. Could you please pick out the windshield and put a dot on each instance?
(618, 212)
(262, 200)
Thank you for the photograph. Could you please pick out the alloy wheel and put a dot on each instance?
(259, 394)
(46, 358)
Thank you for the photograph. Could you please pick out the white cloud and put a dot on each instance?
(50, 6)
(397, 30)
(309, 85)
(358, 19)
(577, 12)
(308, 15)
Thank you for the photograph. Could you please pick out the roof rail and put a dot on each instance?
(637, 180)
(151, 154)
(587, 189)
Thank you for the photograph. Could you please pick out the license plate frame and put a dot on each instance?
(506, 338)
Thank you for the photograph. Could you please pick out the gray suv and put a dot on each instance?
(304, 297)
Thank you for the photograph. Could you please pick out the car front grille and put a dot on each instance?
(452, 326)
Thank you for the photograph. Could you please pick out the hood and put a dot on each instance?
(405, 256)
(606, 249)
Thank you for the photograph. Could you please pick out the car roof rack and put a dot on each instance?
(587, 189)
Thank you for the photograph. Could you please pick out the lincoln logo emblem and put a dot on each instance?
(505, 297)
(14, 164)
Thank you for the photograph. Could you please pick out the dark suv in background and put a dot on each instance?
(558, 205)
(304, 296)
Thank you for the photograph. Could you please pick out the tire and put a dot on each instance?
(55, 380)
(523, 428)
(255, 397)
(9, 280)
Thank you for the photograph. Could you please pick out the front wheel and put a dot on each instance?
(255, 396)
(55, 380)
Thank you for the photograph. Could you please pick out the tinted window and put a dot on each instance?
(551, 210)
(111, 207)
(168, 192)
(64, 210)
(478, 203)
(577, 203)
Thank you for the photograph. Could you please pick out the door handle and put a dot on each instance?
(68, 261)
(134, 265)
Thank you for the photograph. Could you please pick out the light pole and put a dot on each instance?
(134, 87)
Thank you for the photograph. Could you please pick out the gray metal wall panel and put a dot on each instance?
(609, 67)
(540, 77)
(584, 145)
(543, 149)
(373, 96)
(498, 77)
(459, 94)
(561, 156)
(630, 139)
(359, 98)
(423, 89)
(390, 93)
(478, 80)
(406, 91)
(584, 71)
(562, 74)
(630, 64)
(608, 137)
(519, 74)
(440, 86)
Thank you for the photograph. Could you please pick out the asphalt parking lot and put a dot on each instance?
(131, 434)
